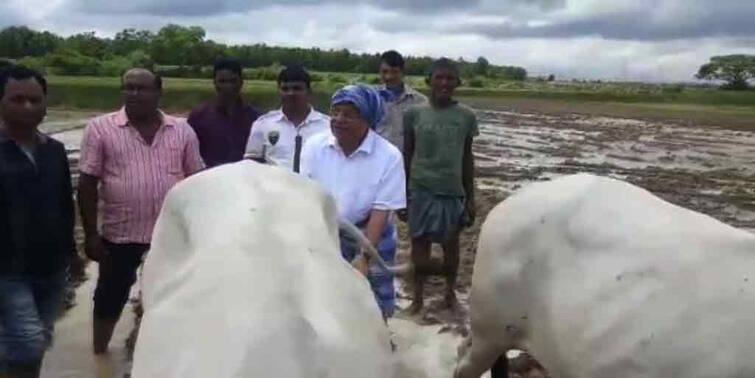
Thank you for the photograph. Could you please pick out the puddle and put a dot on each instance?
(682, 164)
(71, 355)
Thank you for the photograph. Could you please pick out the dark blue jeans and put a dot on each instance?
(28, 309)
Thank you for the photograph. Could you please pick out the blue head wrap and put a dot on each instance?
(366, 99)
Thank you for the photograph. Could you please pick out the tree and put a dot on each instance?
(510, 73)
(178, 45)
(186, 48)
(88, 44)
(735, 70)
(20, 41)
(130, 40)
(206, 53)
(482, 66)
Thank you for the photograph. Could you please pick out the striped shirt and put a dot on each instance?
(134, 176)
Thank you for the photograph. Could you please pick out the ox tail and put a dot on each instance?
(366, 247)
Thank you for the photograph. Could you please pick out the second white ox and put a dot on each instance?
(599, 278)
(245, 279)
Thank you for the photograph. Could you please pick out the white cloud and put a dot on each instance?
(628, 40)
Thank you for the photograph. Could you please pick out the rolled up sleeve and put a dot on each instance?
(255, 146)
(391, 192)
(192, 161)
(91, 158)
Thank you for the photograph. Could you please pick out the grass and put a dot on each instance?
(99, 93)
(613, 99)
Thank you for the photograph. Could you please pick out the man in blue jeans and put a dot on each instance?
(36, 224)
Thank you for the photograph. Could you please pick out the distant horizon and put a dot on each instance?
(532, 75)
(653, 41)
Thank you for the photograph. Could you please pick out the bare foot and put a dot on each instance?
(415, 308)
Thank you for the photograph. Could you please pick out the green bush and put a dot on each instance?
(476, 83)
(97, 93)
(114, 66)
(337, 79)
(179, 71)
(374, 80)
(262, 73)
(35, 63)
(117, 65)
(67, 62)
(140, 59)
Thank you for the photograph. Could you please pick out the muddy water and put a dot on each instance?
(706, 169)
(71, 355)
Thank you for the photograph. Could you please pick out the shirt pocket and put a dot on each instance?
(171, 161)
(365, 196)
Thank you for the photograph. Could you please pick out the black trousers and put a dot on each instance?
(117, 275)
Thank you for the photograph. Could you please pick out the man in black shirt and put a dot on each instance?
(36, 223)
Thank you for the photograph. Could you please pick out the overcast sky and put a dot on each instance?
(650, 40)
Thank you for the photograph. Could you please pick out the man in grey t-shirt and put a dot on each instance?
(398, 98)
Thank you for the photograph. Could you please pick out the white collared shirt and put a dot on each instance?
(371, 178)
(273, 136)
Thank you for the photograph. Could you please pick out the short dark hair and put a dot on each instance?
(443, 64)
(294, 73)
(227, 64)
(158, 79)
(20, 73)
(393, 59)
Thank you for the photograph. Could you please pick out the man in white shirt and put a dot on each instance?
(364, 174)
(367, 179)
(278, 136)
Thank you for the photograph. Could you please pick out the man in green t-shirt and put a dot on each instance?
(440, 174)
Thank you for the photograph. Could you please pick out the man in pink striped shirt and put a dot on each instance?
(129, 161)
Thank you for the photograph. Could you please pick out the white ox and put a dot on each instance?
(245, 279)
(599, 278)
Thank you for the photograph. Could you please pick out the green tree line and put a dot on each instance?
(185, 51)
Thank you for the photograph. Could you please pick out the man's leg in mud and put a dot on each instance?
(421, 260)
(451, 268)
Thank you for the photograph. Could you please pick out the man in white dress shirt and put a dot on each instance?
(278, 136)
(364, 173)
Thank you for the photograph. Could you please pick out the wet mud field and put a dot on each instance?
(707, 169)
(704, 168)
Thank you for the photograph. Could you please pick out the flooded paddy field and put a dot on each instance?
(707, 169)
